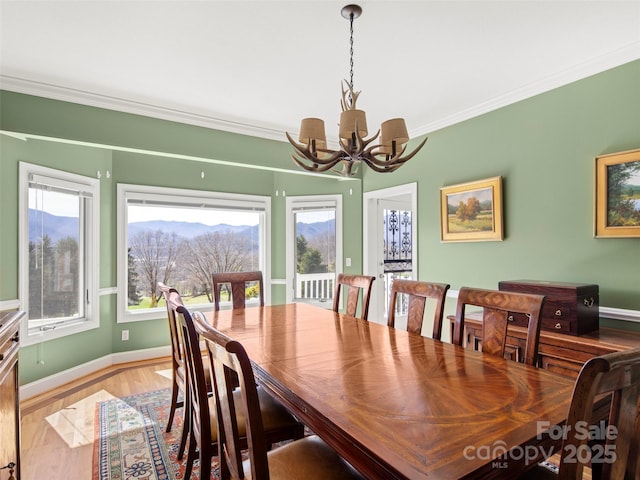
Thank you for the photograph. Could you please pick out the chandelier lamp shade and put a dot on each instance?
(382, 152)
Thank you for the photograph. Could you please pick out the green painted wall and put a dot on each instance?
(544, 148)
(60, 120)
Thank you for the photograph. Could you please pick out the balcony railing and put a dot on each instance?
(315, 286)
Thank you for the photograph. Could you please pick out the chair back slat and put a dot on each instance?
(418, 292)
(230, 363)
(355, 285)
(176, 351)
(199, 413)
(497, 305)
(238, 284)
(616, 375)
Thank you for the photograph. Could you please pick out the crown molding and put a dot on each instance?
(577, 72)
(56, 92)
(616, 58)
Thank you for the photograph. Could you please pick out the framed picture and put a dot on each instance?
(617, 211)
(472, 212)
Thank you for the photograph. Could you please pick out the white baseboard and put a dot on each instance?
(53, 381)
(9, 304)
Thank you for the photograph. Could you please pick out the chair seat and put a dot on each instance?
(307, 459)
(275, 417)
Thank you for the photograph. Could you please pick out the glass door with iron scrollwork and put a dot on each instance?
(396, 250)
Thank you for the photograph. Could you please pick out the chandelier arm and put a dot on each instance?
(316, 167)
(400, 160)
(380, 169)
(364, 142)
(305, 153)
(347, 170)
(391, 164)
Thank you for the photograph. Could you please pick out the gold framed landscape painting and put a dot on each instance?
(617, 209)
(472, 212)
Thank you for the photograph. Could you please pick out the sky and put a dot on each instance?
(67, 206)
(208, 217)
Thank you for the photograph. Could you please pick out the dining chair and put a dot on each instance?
(615, 441)
(238, 286)
(279, 424)
(178, 369)
(417, 293)
(354, 286)
(497, 305)
(308, 458)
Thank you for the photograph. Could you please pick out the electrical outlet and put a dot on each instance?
(347, 261)
(125, 335)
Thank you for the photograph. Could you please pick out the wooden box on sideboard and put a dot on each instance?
(569, 308)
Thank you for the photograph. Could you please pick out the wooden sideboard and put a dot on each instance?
(9, 395)
(560, 353)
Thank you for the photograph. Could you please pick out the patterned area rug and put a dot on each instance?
(131, 443)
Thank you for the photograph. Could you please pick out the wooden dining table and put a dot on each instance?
(398, 405)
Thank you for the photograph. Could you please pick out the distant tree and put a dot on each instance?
(215, 252)
(41, 265)
(155, 253)
(311, 262)
(469, 210)
(326, 244)
(133, 298)
(66, 277)
(301, 249)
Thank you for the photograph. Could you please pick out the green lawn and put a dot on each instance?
(482, 223)
(145, 302)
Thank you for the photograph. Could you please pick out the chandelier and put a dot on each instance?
(384, 156)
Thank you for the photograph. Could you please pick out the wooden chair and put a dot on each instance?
(238, 282)
(305, 459)
(616, 450)
(418, 293)
(497, 306)
(354, 284)
(179, 374)
(279, 424)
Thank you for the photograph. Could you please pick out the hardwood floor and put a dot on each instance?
(58, 427)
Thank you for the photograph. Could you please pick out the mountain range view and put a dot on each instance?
(57, 227)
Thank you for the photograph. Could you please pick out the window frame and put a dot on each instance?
(184, 197)
(311, 202)
(90, 221)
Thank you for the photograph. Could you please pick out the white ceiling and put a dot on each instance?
(258, 67)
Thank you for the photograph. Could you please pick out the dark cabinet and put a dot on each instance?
(569, 308)
(9, 395)
(563, 354)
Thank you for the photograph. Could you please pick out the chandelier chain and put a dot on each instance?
(351, 48)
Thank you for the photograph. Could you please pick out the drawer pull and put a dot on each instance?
(558, 313)
(510, 318)
(588, 302)
(558, 326)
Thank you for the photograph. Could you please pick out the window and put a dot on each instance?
(314, 248)
(180, 238)
(58, 235)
